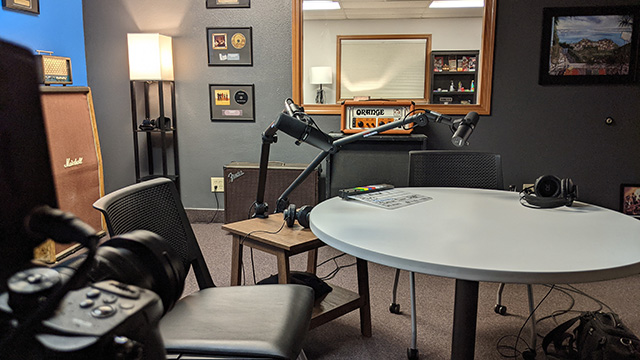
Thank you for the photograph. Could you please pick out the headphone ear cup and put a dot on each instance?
(303, 216)
(290, 215)
(548, 186)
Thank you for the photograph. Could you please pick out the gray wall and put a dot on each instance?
(557, 130)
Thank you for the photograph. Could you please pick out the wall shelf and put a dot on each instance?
(465, 63)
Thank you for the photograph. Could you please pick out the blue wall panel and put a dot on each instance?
(57, 28)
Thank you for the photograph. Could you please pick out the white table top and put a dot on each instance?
(485, 235)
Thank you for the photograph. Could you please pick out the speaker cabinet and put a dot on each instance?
(74, 149)
(241, 187)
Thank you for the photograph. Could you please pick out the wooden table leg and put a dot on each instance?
(312, 261)
(236, 261)
(283, 267)
(363, 291)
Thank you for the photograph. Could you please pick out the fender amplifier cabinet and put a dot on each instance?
(241, 187)
(363, 115)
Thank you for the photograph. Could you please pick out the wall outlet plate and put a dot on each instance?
(217, 184)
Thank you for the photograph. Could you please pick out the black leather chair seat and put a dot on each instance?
(221, 321)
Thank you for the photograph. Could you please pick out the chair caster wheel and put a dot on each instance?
(500, 309)
(394, 308)
(412, 354)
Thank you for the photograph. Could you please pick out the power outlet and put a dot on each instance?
(217, 184)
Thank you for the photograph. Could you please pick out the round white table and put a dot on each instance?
(475, 235)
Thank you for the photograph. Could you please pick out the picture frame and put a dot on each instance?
(630, 199)
(222, 4)
(232, 46)
(232, 102)
(589, 45)
(29, 6)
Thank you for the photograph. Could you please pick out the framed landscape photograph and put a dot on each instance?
(630, 199)
(229, 46)
(589, 45)
(215, 4)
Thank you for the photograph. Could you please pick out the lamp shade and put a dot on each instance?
(150, 57)
(321, 75)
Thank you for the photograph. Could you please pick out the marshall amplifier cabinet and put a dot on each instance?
(241, 187)
(76, 159)
(53, 69)
(363, 115)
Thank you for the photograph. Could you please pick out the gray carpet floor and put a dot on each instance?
(496, 335)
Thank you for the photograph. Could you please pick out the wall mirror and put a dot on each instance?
(315, 46)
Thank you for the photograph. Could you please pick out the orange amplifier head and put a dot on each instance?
(364, 115)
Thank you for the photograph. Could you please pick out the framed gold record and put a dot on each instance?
(231, 46)
(238, 40)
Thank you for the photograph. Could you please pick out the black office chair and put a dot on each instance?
(266, 321)
(447, 168)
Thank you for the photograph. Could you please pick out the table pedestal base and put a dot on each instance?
(465, 314)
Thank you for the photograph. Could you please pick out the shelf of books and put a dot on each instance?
(454, 77)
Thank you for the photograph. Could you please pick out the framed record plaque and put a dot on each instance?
(231, 102)
(218, 4)
(230, 46)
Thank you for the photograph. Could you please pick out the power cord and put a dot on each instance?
(567, 291)
(215, 193)
(337, 269)
(253, 270)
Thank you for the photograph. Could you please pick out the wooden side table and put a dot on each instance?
(261, 234)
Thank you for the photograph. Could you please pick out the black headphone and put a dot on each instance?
(550, 192)
(302, 215)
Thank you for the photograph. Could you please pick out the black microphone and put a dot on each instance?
(293, 109)
(465, 129)
(303, 132)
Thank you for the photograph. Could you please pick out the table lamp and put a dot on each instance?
(321, 75)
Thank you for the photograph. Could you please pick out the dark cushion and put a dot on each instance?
(268, 321)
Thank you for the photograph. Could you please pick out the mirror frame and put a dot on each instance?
(483, 107)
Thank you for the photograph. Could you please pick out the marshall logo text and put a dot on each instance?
(70, 163)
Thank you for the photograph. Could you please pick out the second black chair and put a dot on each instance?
(447, 168)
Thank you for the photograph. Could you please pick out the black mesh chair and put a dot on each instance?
(266, 321)
(448, 168)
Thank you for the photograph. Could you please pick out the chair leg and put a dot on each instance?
(499, 308)
(394, 308)
(301, 356)
(532, 318)
(412, 352)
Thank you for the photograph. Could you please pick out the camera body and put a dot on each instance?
(105, 320)
(104, 304)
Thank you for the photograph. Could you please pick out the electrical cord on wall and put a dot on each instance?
(215, 193)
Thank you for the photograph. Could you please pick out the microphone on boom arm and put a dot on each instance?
(465, 128)
(297, 126)
(462, 128)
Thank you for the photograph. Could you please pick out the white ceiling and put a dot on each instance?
(389, 9)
